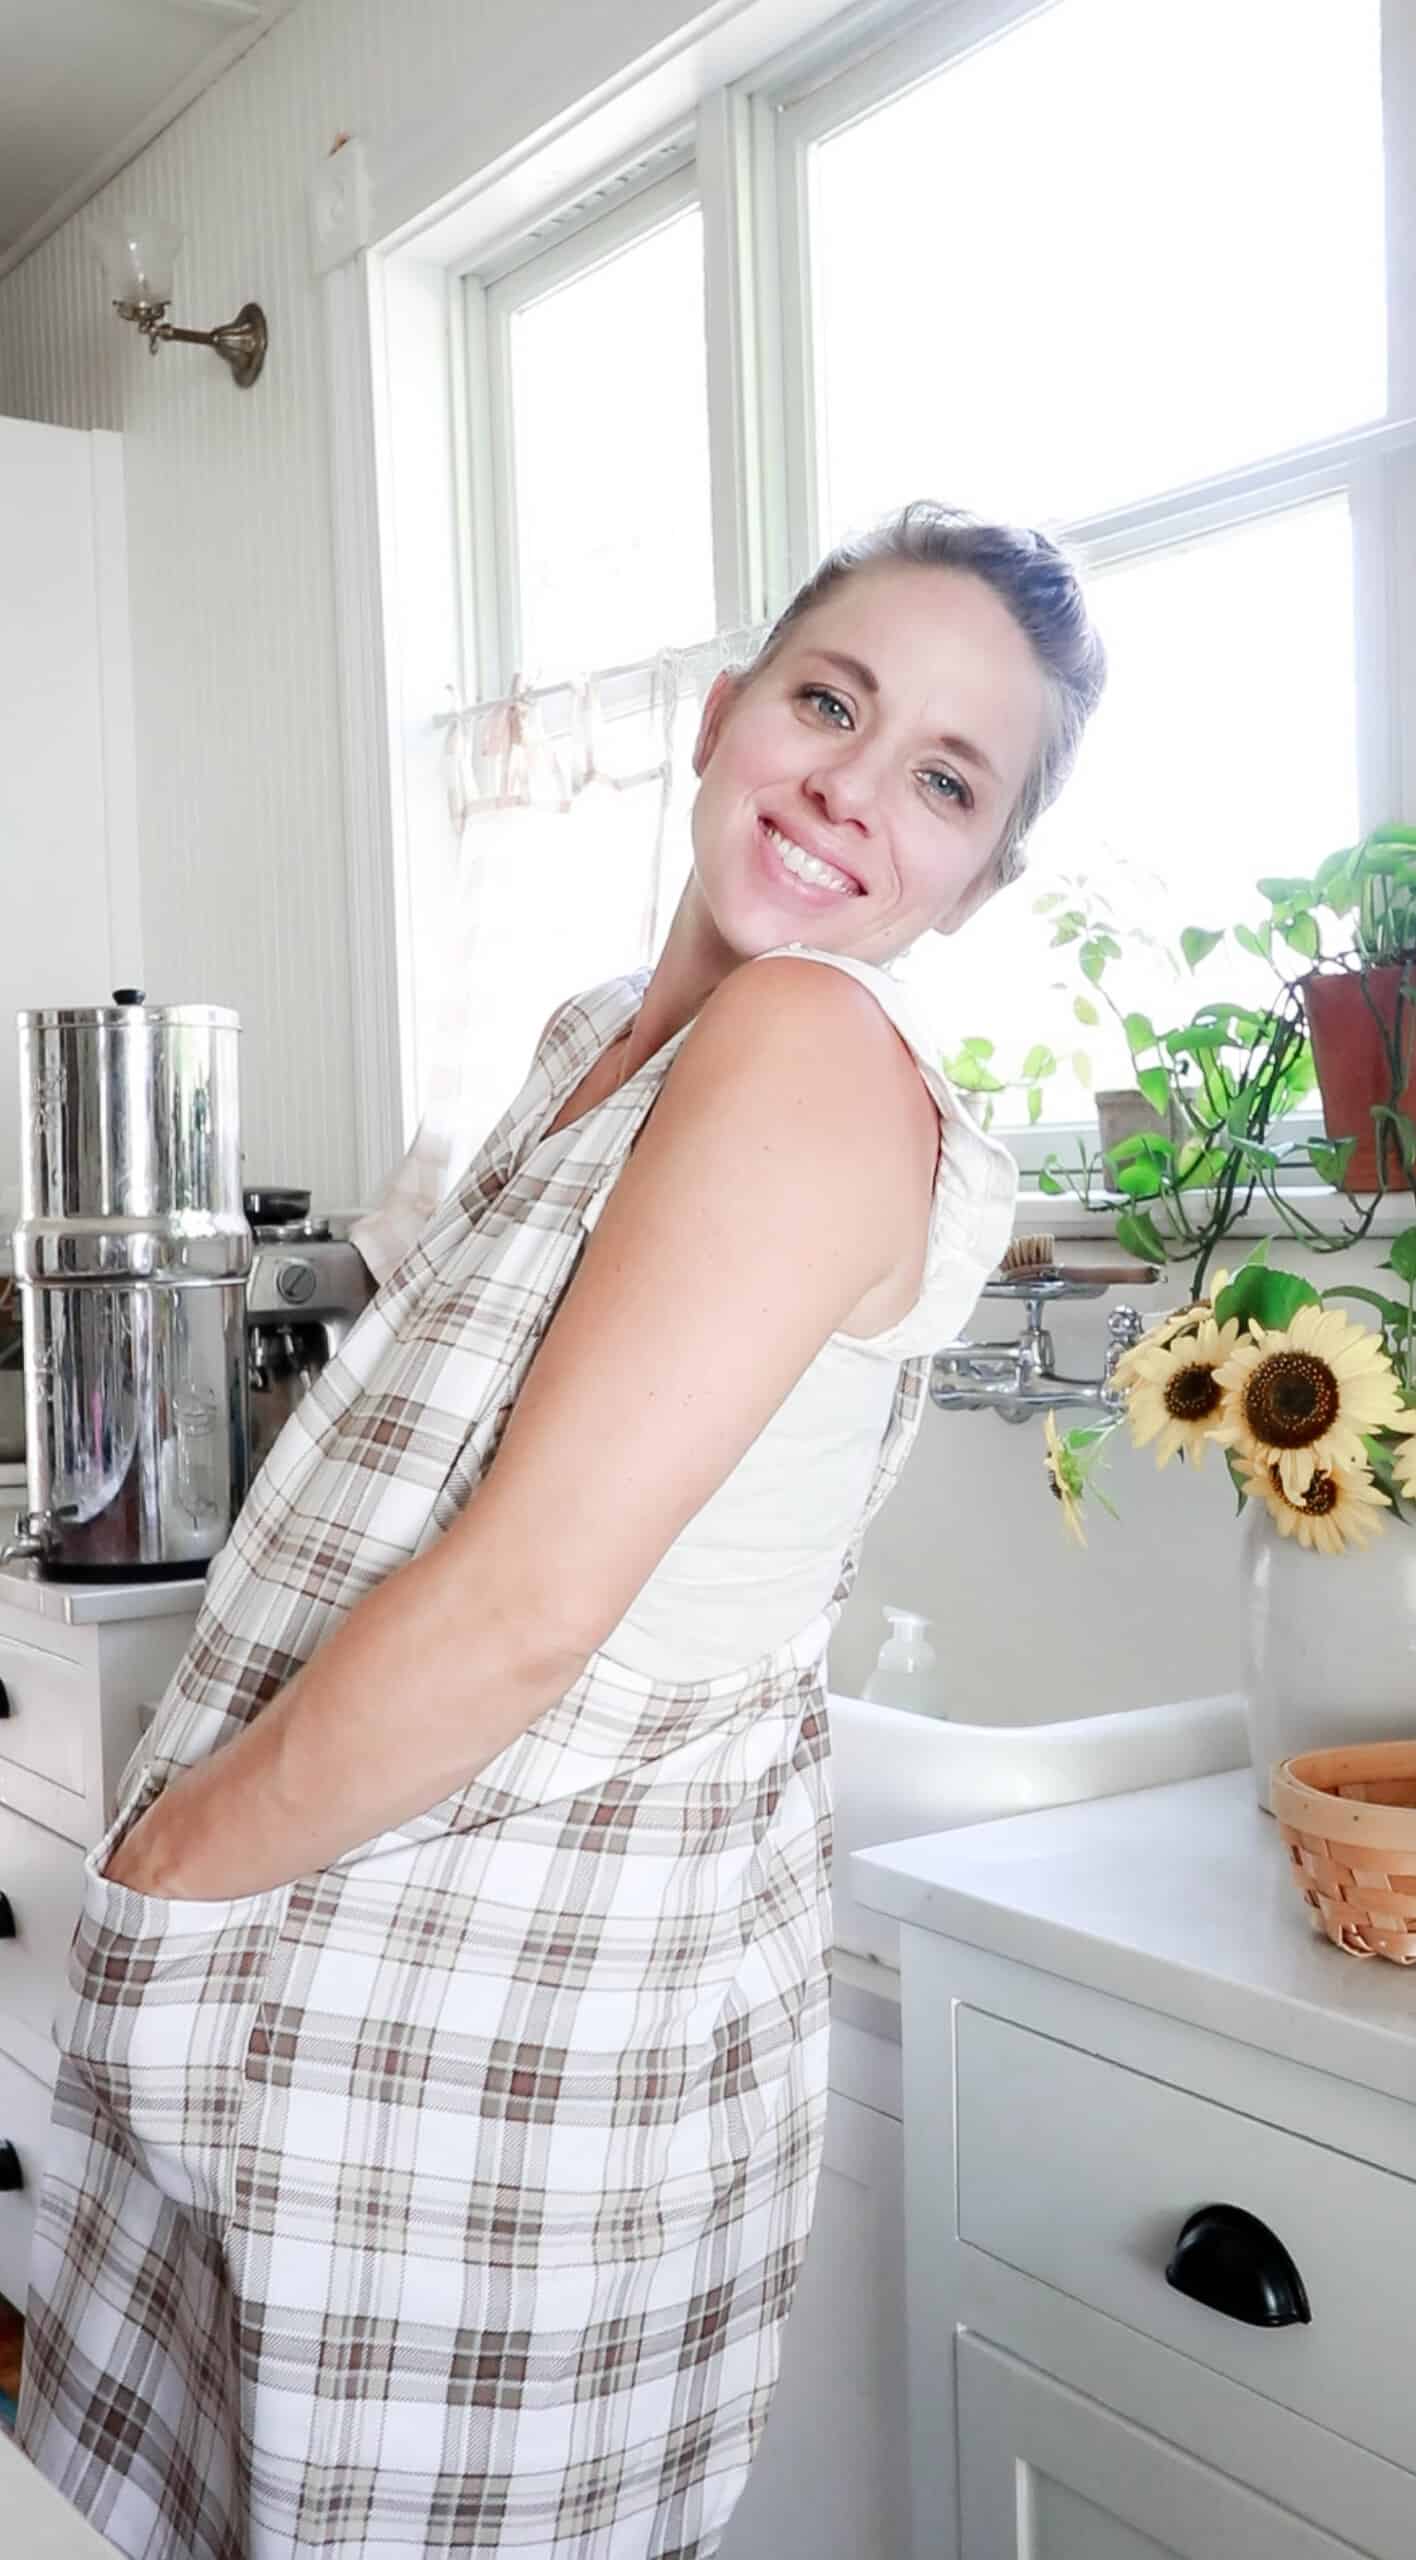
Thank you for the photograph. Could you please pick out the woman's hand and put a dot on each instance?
(175, 1854)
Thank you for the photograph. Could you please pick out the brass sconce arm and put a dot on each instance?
(137, 253)
(241, 342)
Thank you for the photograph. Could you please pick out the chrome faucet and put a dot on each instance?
(1020, 1377)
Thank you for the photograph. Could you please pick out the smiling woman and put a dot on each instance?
(443, 2088)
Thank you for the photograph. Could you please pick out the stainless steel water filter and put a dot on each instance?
(131, 1258)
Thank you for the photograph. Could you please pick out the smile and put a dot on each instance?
(808, 867)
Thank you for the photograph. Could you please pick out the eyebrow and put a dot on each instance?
(864, 676)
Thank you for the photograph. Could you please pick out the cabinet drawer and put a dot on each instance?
(24, 2121)
(1081, 2173)
(42, 1879)
(43, 1728)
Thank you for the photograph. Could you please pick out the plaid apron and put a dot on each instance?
(450, 2199)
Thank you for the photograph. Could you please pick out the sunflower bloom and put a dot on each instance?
(1300, 1398)
(1173, 1394)
(1064, 1475)
(1167, 1329)
(1338, 1508)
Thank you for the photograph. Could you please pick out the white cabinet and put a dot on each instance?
(1116, 2019)
(78, 1667)
(1046, 2474)
(67, 767)
(24, 2129)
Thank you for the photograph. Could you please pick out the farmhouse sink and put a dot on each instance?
(897, 1775)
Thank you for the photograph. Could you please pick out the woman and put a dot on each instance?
(444, 2070)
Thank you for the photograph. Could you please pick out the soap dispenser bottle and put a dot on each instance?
(907, 1666)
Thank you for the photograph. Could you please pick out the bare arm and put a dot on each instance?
(783, 1172)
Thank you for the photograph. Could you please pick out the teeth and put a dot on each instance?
(807, 866)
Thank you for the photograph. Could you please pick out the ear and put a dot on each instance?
(722, 694)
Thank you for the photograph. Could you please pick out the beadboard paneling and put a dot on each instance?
(244, 888)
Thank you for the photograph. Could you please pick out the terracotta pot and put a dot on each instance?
(1348, 1011)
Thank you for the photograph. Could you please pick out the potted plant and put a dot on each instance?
(1215, 1082)
(1361, 1000)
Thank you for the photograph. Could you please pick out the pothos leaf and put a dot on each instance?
(1402, 1258)
(1268, 1298)
(1197, 944)
(1330, 1158)
(1138, 1234)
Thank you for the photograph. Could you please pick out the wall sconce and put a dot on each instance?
(137, 256)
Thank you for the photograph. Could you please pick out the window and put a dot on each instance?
(1138, 274)
(1114, 251)
(597, 378)
(1223, 749)
(1120, 272)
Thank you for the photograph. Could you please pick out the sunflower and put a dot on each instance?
(1173, 1395)
(1168, 1329)
(1337, 1508)
(1300, 1398)
(1064, 1475)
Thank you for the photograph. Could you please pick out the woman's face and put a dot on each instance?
(888, 741)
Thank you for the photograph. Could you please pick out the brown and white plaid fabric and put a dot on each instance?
(451, 2199)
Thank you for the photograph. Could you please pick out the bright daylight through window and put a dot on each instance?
(1116, 269)
(1103, 302)
(614, 535)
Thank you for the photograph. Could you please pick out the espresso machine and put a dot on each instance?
(306, 1289)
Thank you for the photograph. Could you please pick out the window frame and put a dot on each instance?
(745, 159)
(796, 106)
(526, 274)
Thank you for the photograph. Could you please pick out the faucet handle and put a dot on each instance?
(1124, 1328)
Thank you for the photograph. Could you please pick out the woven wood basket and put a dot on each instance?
(1348, 1821)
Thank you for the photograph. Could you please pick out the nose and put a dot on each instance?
(844, 785)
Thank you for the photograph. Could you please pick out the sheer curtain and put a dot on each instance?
(570, 805)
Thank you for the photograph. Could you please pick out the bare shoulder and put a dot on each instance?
(799, 1035)
(780, 1011)
(799, 1072)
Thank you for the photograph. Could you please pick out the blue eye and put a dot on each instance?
(953, 787)
(822, 694)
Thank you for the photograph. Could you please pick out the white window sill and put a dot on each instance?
(1037, 1214)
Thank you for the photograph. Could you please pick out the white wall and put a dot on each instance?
(240, 811)
(973, 1537)
(241, 822)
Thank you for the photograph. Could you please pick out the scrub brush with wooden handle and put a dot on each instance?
(1035, 1258)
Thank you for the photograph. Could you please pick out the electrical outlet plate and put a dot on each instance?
(339, 207)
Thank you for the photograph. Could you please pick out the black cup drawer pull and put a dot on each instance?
(5, 1707)
(1233, 2263)
(12, 2176)
(7, 1917)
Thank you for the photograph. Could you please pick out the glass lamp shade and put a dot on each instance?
(136, 252)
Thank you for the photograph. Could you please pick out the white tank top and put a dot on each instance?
(762, 1557)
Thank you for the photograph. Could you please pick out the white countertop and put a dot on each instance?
(84, 1604)
(1178, 1899)
(39, 2524)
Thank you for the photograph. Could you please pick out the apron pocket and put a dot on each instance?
(163, 1997)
